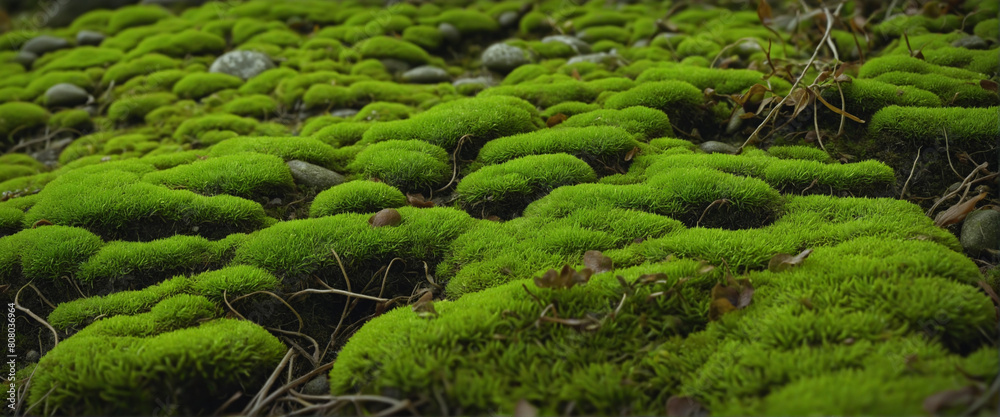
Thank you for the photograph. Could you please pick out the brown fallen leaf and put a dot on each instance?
(961, 397)
(681, 406)
(989, 85)
(566, 278)
(418, 200)
(386, 217)
(784, 261)
(555, 119)
(726, 298)
(596, 261)
(424, 307)
(764, 13)
(957, 213)
(42, 222)
(631, 154)
(575, 74)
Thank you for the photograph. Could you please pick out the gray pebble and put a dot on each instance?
(504, 58)
(65, 95)
(426, 74)
(450, 32)
(578, 45)
(981, 231)
(243, 64)
(25, 58)
(315, 176)
(345, 113)
(486, 81)
(317, 386)
(40, 45)
(609, 58)
(718, 147)
(971, 42)
(395, 66)
(508, 19)
(89, 37)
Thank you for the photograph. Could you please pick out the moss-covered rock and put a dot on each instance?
(356, 197)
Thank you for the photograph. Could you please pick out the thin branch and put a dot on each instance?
(947, 152)
(912, 170)
(336, 291)
(964, 183)
(256, 402)
(32, 315)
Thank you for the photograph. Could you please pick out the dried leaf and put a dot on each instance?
(989, 85)
(784, 261)
(418, 200)
(800, 98)
(957, 213)
(725, 298)
(822, 77)
(962, 398)
(680, 406)
(555, 119)
(596, 261)
(631, 154)
(424, 307)
(565, 278)
(575, 74)
(386, 217)
(764, 13)
(42, 222)
(751, 98)
(524, 409)
(839, 111)
(843, 78)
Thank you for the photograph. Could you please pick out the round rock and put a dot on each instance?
(508, 18)
(607, 58)
(313, 175)
(25, 58)
(981, 231)
(501, 57)
(89, 37)
(317, 386)
(395, 66)
(345, 113)
(426, 74)
(578, 45)
(449, 32)
(971, 42)
(40, 45)
(65, 95)
(243, 64)
(718, 147)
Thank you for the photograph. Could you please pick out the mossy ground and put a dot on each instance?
(180, 257)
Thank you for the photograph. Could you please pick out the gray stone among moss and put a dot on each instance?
(243, 64)
(41, 45)
(981, 231)
(503, 58)
(426, 74)
(718, 147)
(314, 176)
(89, 37)
(65, 95)
(578, 45)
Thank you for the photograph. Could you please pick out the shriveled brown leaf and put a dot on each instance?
(957, 212)
(631, 154)
(681, 406)
(800, 98)
(418, 200)
(566, 278)
(576, 74)
(424, 307)
(839, 111)
(989, 85)
(555, 119)
(784, 261)
(386, 217)
(736, 295)
(42, 222)
(764, 13)
(961, 397)
(596, 261)
(524, 409)
(751, 98)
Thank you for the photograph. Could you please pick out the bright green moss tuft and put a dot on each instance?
(383, 112)
(256, 105)
(45, 253)
(177, 45)
(644, 122)
(889, 63)
(405, 164)
(382, 47)
(723, 81)
(83, 57)
(594, 143)
(677, 98)
(427, 37)
(356, 197)
(289, 148)
(547, 94)
(8, 172)
(124, 71)
(569, 109)
(342, 134)
(917, 24)
(145, 262)
(988, 29)
(138, 143)
(197, 128)
(468, 22)
(922, 125)
(598, 34)
(806, 153)
(248, 175)
(41, 83)
(327, 96)
(951, 91)
(11, 219)
(135, 108)
(18, 117)
(864, 96)
(131, 16)
(267, 81)
(73, 119)
(516, 180)
(198, 85)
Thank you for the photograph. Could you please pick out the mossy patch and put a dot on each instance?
(198, 85)
(356, 197)
(248, 175)
(17, 117)
(409, 165)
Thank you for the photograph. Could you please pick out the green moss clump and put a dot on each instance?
(327, 96)
(140, 262)
(40, 84)
(197, 128)
(520, 180)
(135, 108)
(569, 109)
(427, 37)
(382, 47)
(131, 16)
(343, 134)
(594, 143)
(248, 175)
(82, 57)
(922, 125)
(468, 22)
(678, 99)
(356, 197)
(124, 71)
(644, 122)
(383, 112)
(11, 219)
(232, 353)
(865, 96)
(138, 143)
(256, 105)
(178, 45)
(315, 124)
(988, 29)
(605, 33)
(45, 253)
(547, 94)
(267, 81)
(951, 91)
(73, 119)
(289, 148)
(917, 24)
(800, 152)
(198, 85)
(405, 164)
(889, 63)
(17, 117)
(723, 81)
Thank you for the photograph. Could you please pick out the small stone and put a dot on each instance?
(735, 122)
(40, 45)
(718, 147)
(503, 58)
(243, 64)
(89, 37)
(385, 217)
(426, 74)
(578, 45)
(25, 58)
(971, 42)
(641, 43)
(65, 95)
(486, 81)
(981, 231)
(508, 18)
(395, 66)
(747, 48)
(317, 386)
(610, 58)
(345, 113)
(32, 356)
(450, 32)
(315, 176)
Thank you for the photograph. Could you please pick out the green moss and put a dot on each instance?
(327, 96)
(198, 85)
(373, 69)
(342, 134)
(605, 33)
(248, 175)
(8, 172)
(643, 122)
(267, 81)
(951, 91)
(291, 89)
(92, 20)
(569, 108)
(73, 119)
(921, 125)
(232, 353)
(881, 65)
(256, 105)
(45, 253)
(138, 263)
(356, 197)
(427, 37)
(20, 159)
(382, 47)
(14, 94)
(549, 94)
(118, 205)
(42, 83)
(160, 81)
(131, 16)
(806, 153)
(315, 124)
(165, 157)
(177, 45)
(983, 62)
(865, 97)
(135, 108)
(595, 143)
(289, 148)
(198, 128)
(482, 119)
(83, 57)
(405, 164)
(11, 219)
(383, 112)
(138, 143)
(468, 22)
(917, 24)
(519, 180)
(723, 81)
(18, 117)
(124, 71)
(988, 29)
